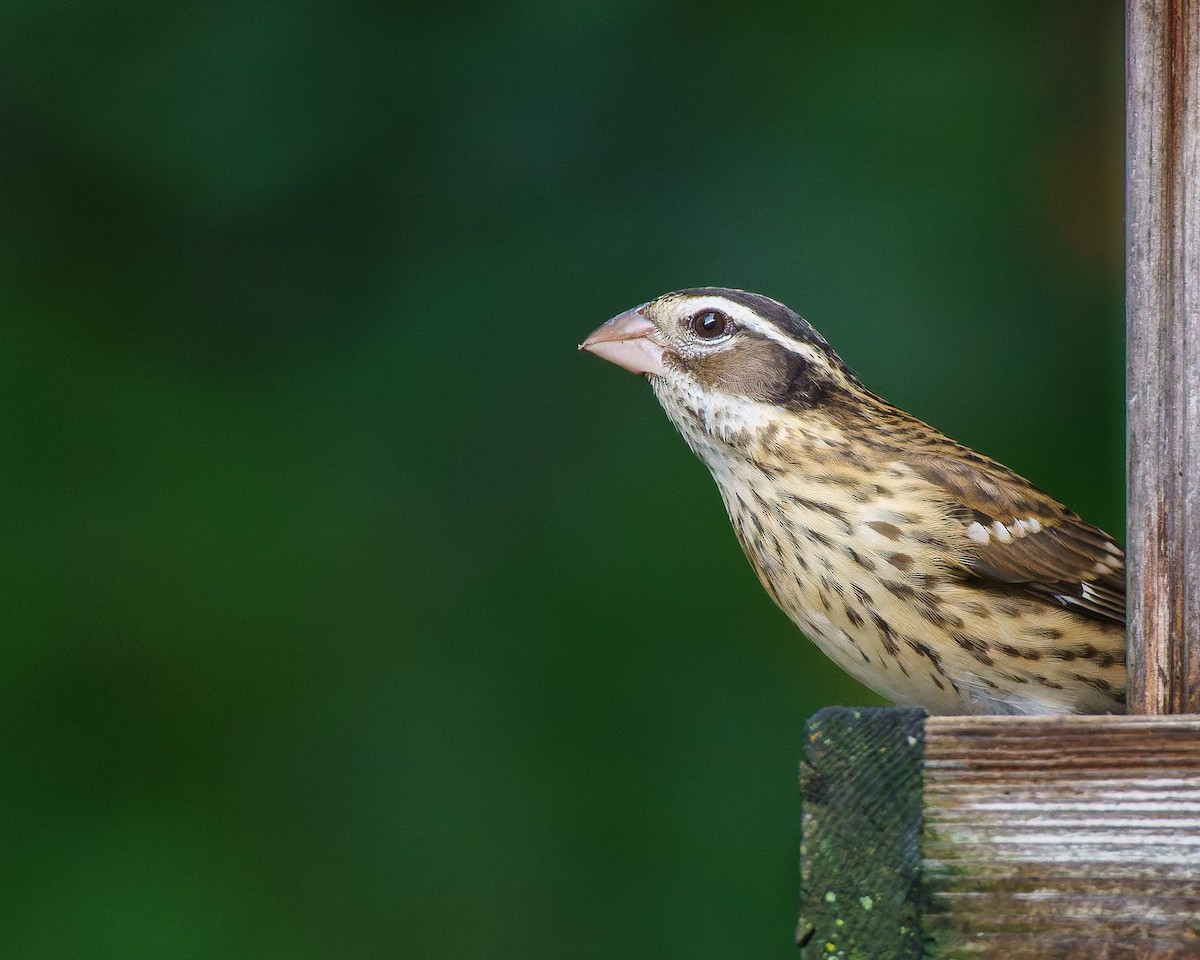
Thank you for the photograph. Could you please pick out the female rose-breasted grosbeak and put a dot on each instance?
(933, 575)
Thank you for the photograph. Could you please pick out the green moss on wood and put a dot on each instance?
(861, 834)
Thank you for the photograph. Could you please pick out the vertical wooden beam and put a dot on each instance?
(1162, 201)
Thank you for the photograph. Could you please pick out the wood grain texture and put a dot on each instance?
(1163, 353)
(1062, 837)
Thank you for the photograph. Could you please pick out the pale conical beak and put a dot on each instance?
(629, 340)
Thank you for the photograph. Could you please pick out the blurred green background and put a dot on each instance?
(349, 610)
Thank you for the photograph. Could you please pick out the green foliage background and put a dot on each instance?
(348, 610)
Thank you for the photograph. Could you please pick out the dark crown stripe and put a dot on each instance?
(782, 318)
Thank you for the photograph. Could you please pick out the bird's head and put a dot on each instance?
(725, 360)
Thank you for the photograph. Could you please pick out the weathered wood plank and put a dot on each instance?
(1162, 201)
(861, 829)
(1062, 837)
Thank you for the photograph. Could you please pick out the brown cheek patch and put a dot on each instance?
(744, 369)
(757, 368)
(752, 367)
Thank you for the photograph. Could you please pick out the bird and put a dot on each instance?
(930, 573)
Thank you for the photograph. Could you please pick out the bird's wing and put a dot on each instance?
(1014, 534)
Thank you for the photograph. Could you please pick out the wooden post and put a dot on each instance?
(1062, 837)
(860, 859)
(1162, 202)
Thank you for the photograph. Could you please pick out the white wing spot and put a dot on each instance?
(1017, 529)
(978, 532)
(1001, 532)
(1034, 525)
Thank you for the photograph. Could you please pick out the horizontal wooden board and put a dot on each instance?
(1062, 837)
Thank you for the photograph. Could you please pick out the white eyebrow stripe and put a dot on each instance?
(747, 318)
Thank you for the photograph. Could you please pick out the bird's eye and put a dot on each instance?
(710, 324)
